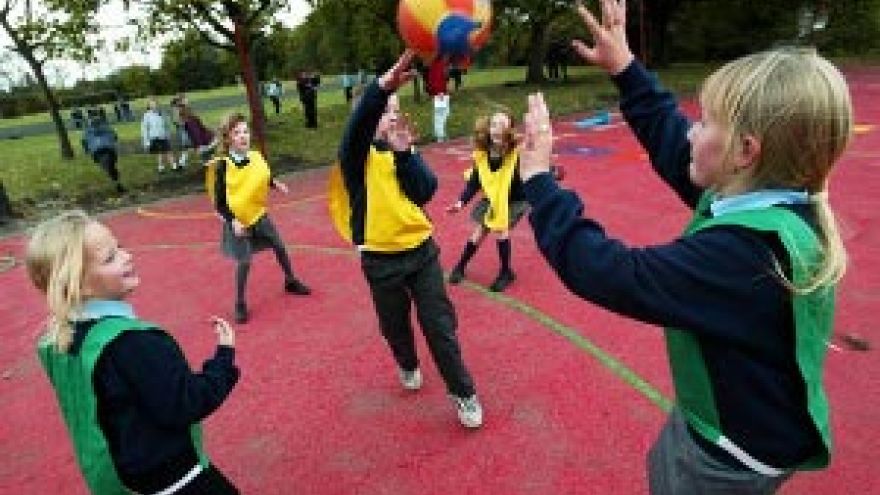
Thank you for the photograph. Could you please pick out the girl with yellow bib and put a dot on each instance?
(240, 190)
(495, 174)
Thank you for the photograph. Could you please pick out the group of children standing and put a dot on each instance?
(188, 132)
(750, 407)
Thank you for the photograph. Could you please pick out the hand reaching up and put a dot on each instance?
(400, 73)
(610, 48)
(537, 145)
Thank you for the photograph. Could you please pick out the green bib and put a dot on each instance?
(71, 377)
(813, 319)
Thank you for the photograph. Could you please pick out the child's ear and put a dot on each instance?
(749, 152)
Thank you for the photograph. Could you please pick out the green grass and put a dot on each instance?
(37, 179)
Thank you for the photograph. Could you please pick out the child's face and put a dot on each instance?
(498, 125)
(707, 140)
(389, 118)
(109, 270)
(240, 138)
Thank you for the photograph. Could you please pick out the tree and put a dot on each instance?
(537, 16)
(62, 29)
(233, 25)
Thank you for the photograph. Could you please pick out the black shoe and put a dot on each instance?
(456, 276)
(294, 286)
(241, 313)
(121, 189)
(504, 279)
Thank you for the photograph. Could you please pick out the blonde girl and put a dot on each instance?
(129, 399)
(747, 292)
(495, 173)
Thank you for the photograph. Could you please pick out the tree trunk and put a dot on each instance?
(5, 207)
(249, 75)
(535, 72)
(54, 108)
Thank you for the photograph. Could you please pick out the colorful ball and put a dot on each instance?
(436, 28)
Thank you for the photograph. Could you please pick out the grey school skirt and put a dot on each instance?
(259, 236)
(517, 210)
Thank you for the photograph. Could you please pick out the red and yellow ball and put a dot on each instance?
(452, 28)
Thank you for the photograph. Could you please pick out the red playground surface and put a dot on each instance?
(573, 395)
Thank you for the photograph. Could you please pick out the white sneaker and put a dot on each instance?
(470, 413)
(411, 380)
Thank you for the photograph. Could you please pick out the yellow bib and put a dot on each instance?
(393, 223)
(247, 188)
(496, 188)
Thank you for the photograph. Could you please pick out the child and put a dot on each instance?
(239, 182)
(386, 183)
(129, 399)
(155, 136)
(199, 136)
(747, 293)
(435, 84)
(100, 141)
(495, 173)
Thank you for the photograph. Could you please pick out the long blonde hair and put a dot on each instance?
(56, 262)
(797, 104)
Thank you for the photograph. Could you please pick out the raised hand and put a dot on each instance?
(400, 73)
(610, 48)
(537, 145)
(225, 333)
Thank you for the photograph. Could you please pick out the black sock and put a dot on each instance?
(469, 250)
(504, 254)
(241, 275)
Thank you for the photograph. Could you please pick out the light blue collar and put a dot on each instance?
(758, 199)
(94, 309)
(235, 156)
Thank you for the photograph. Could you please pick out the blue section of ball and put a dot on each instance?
(453, 35)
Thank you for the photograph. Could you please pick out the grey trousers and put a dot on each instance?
(400, 281)
(678, 466)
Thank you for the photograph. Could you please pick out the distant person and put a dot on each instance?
(307, 86)
(347, 81)
(455, 74)
(436, 88)
(77, 117)
(202, 138)
(99, 140)
(180, 135)
(556, 59)
(274, 91)
(156, 136)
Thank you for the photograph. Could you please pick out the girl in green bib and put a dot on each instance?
(746, 293)
(129, 400)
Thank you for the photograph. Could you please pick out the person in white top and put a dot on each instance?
(155, 136)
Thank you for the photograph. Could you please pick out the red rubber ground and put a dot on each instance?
(319, 410)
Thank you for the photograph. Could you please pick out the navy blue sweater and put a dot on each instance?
(147, 399)
(718, 283)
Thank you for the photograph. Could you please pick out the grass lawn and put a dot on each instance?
(39, 182)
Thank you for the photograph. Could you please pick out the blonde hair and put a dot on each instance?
(797, 105)
(225, 128)
(56, 261)
(482, 139)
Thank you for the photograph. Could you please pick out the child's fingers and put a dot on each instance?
(592, 24)
(584, 51)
